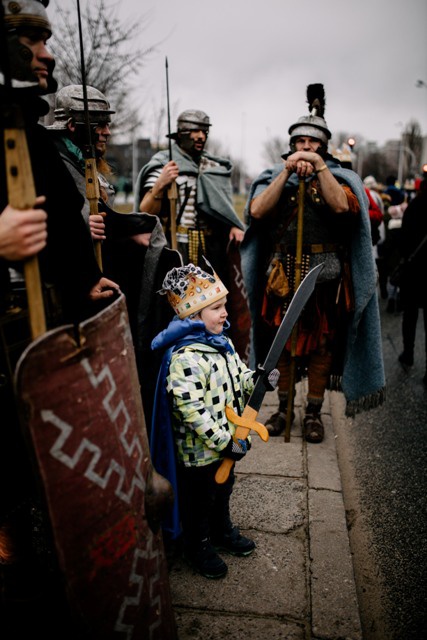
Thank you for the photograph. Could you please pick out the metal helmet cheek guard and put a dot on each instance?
(17, 16)
(69, 103)
(313, 125)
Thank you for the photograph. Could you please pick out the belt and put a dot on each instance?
(308, 249)
(185, 231)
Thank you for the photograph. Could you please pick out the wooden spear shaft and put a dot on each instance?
(297, 282)
(173, 189)
(173, 197)
(22, 195)
(91, 172)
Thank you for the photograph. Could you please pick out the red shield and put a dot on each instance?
(82, 408)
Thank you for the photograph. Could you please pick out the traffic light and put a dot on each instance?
(351, 142)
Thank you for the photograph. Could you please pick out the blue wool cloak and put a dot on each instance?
(363, 379)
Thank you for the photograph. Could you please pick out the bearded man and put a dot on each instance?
(338, 334)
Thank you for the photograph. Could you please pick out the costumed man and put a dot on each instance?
(377, 229)
(338, 334)
(414, 256)
(134, 246)
(206, 222)
(32, 598)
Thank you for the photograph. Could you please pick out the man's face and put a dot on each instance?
(307, 143)
(42, 60)
(193, 142)
(102, 135)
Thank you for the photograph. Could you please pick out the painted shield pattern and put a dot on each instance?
(81, 406)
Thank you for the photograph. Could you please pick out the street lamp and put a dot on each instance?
(359, 155)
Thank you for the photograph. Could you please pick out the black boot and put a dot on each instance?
(205, 560)
(391, 305)
(406, 359)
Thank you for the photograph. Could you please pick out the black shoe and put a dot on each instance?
(235, 544)
(206, 561)
(406, 360)
(391, 305)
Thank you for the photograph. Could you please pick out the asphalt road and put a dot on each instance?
(383, 454)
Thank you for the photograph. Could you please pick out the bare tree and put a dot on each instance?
(273, 149)
(413, 139)
(111, 58)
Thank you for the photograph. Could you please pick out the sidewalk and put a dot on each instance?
(299, 582)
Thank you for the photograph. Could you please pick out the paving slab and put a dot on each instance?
(299, 583)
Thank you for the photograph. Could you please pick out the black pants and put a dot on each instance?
(204, 504)
(409, 327)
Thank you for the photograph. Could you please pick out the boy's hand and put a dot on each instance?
(236, 450)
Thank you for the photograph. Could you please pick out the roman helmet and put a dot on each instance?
(314, 124)
(18, 15)
(191, 120)
(69, 104)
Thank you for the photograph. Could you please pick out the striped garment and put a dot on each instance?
(187, 185)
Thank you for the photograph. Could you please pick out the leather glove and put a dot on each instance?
(236, 450)
(272, 379)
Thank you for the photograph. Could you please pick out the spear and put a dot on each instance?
(294, 336)
(91, 173)
(172, 191)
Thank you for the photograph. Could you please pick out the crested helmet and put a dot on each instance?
(313, 124)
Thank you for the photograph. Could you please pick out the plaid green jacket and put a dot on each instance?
(200, 385)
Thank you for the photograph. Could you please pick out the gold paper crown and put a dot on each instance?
(189, 289)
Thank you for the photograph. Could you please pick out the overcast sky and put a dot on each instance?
(247, 64)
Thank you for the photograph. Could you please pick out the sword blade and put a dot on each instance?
(296, 305)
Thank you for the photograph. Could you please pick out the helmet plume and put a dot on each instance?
(316, 99)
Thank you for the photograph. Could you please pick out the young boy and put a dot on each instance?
(202, 374)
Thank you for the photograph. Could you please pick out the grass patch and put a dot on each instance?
(239, 201)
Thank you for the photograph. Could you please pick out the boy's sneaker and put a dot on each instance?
(234, 543)
(206, 561)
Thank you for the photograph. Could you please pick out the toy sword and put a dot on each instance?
(247, 421)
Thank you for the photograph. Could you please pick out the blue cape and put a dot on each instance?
(162, 446)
